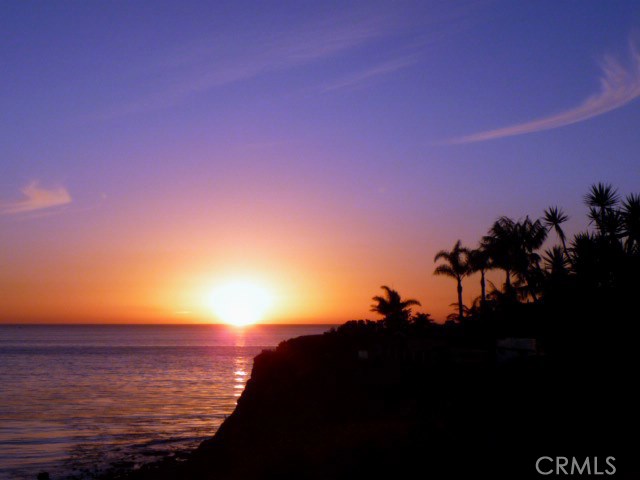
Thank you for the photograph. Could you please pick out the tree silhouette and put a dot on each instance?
(601, 200)
(601, 196)
(456, 266)
(581, 288)
(479, 261)
(512, 247)
(631, 223)
(556, 262)
(395, 311)
(421, 322)
(500, 244)
(553, 218)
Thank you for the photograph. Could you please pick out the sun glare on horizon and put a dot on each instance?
(240, 303)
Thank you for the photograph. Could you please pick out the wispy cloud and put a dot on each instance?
(218, 62)
(355, 79)
(36, 198)
(619, 85)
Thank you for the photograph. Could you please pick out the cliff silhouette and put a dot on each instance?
(349, 404)
(315, 407)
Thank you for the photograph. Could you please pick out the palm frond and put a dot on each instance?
(445, 270)
(602, 196)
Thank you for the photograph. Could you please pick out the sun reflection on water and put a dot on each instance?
(241, 366)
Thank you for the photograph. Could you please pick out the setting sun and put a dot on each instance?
(240, 302)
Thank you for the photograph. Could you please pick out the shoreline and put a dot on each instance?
(288, 390)
(316, 408)
(367, 401)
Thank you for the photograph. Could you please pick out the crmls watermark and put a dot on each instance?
(576, 466)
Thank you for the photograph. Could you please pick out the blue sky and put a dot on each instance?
(343, 143)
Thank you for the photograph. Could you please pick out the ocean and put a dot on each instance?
(79, 399)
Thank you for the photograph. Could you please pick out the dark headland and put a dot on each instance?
(545, 366)
(345, 406)
(334, 406)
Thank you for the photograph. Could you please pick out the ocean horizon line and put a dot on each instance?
(115, 324)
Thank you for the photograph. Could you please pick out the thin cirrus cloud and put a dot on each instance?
(619, 85)
(210, 65)
(36, 198)
(370, 73)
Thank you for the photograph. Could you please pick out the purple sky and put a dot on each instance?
(152, 148)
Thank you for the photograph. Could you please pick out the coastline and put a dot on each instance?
(317, 408)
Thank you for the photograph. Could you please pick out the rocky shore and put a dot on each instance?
(393, 406)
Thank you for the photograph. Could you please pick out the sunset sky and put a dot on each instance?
(153, 151)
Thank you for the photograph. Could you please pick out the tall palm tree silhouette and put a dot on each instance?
(396, 312)
(456, 266)
(479, 261)
(553, 218)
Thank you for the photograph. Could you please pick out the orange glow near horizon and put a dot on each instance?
(134, 268)
(309, 283)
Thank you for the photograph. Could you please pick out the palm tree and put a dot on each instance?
(602, 196)
(499, 244)
(611, 227)
(556, 274)
(479, 261)
(456, 266)
(556, 262)
(396, 312)
(553, 218)
(511, 246)
(631, 223)
(586, 250)
(601, 200)
(532, 235)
